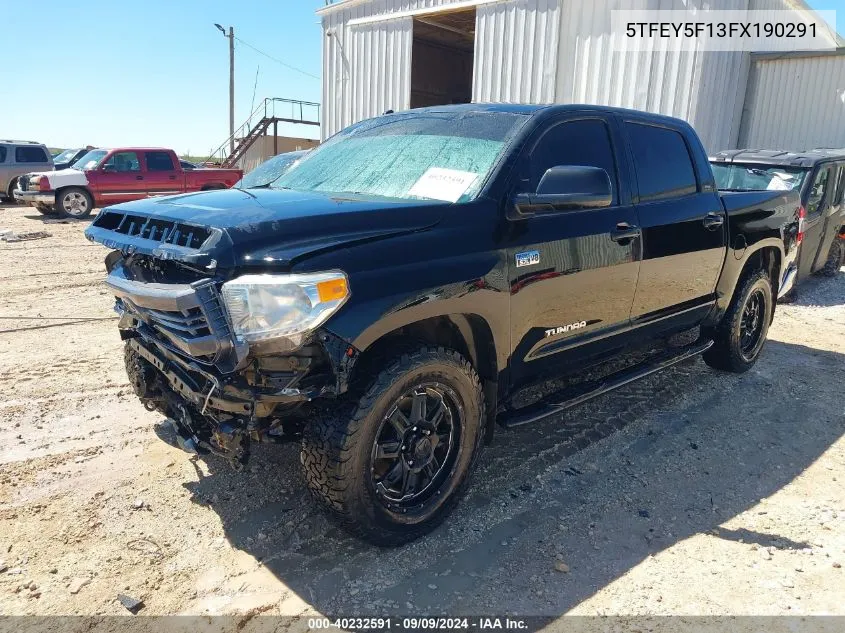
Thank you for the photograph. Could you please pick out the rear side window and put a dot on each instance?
(28, 154)
(583, 142)
(159, 161)
(662, 162)
(2, 153)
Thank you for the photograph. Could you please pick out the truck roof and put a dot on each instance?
(806, 158)
(529, 109)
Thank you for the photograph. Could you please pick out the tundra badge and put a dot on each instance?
(527, 258)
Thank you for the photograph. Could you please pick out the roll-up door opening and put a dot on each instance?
(442, 58)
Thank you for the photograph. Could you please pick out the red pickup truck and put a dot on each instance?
(108, 176)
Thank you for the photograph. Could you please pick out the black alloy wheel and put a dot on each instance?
(416, 446)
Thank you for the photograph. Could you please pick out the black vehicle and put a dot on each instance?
(818, 175)
(383, 301)
(68, 157)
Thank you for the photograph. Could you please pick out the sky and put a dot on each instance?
(156, 72)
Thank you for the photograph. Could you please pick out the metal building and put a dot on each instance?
(383, 55)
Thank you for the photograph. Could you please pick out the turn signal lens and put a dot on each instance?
(332, 290)
(43, 184)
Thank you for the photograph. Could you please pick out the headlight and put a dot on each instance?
(264, 307)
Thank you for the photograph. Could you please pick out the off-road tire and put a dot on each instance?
(726, 353)
(84, 195)
(834, 259)
(337, 445)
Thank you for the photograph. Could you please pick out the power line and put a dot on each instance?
(278, 61)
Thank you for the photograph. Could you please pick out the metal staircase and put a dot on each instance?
(271, 111)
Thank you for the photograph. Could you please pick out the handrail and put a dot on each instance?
(267, 109)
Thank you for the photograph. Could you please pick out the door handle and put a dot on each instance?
(139, 177)
(713, 221)
(625, 232)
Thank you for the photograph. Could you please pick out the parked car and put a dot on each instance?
(16, 159)
(270, 169)
(107, 176)
(68, 157)
(188, 165)
(384, 301)
(818, 175)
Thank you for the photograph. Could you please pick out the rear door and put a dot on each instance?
(683, 224)
(572, 274)
(120, 178)
(831, 214)
(819, 199)
(162, 177)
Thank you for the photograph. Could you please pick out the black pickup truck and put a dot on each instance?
(384, 300)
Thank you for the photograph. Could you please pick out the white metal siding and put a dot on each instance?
(796, 103)
(367, 68)
(705, 89)
(516, 46)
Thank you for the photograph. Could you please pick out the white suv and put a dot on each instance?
(18, 158)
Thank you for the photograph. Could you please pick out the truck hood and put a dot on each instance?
(63, 177)
(270, 227)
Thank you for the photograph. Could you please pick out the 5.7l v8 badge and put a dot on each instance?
(527, 258)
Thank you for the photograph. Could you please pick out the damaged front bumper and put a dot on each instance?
(183, 336)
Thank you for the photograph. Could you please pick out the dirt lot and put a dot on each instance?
(720, 494)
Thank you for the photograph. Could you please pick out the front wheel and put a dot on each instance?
(392, 465)
(740, 336)
(74, 202)
(10, 193)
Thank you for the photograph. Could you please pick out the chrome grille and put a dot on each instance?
(189, 324)
(155, 229)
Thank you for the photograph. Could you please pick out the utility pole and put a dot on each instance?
(231, 36)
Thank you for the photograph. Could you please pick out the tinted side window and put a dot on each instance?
(30, 155)
(2, 153)
(159, 161)
(662, 162)
(818, 190)
(123, 162)
(583, 142)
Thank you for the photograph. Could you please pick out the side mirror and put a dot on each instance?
(565, 188)
(109, 168)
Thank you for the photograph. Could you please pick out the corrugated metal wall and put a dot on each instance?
(706, 89)
(542, 51)
(795, 103)
(367, 68)
(516, 51)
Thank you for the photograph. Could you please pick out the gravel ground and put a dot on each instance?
(692, 492)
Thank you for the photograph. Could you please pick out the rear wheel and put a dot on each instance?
(834, 259)
(74, 202)
(740, 336)
(392, 465)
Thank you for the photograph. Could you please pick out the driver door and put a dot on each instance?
(121, 178)
(572, 274)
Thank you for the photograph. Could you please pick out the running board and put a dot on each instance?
(572, 397)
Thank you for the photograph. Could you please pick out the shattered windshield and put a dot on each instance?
(746, 177)
(427, 155)
(269, 170)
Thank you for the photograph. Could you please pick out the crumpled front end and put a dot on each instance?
(182, 355)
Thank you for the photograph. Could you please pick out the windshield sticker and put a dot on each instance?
(440, 183)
